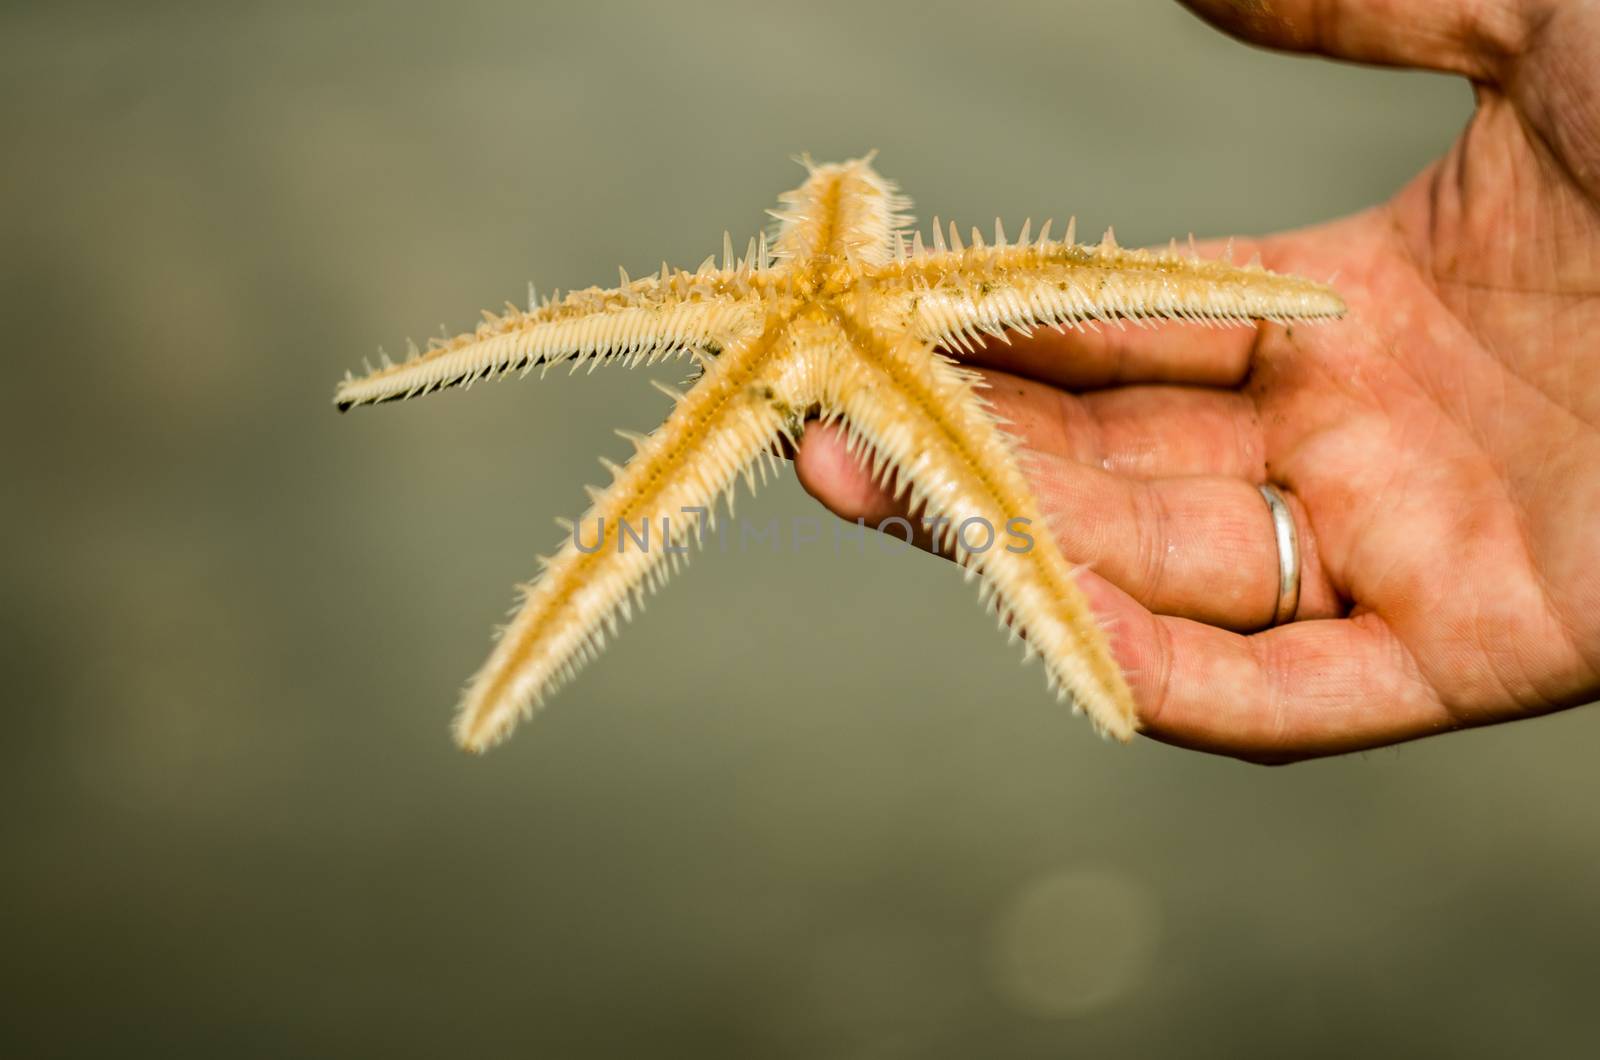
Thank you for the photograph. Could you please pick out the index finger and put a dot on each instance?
(1112, 356)
(1128, 351)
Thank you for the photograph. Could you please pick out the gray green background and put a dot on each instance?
(810, 805)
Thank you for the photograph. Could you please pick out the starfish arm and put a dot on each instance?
(949, 296)
(844, 210)
(637, 532)
(920, 421)
(643, 320)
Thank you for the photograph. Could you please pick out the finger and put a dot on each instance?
(1125, 352)
(1201, 547)
(1295, 691)
(1138, 431)
(1142, 432)
(1113, 356)
(827, 470)
(1477, 38)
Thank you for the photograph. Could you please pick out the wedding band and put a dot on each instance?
(1288, 556)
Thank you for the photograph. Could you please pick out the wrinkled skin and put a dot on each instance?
(1440, 446)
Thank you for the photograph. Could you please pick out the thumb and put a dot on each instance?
(1479, 39)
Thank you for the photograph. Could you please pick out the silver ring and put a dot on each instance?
(1288, 556)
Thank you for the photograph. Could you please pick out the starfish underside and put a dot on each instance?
(841, 316)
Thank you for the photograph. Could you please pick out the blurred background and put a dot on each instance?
(808, 805)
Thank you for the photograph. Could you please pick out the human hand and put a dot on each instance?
(1439, 448)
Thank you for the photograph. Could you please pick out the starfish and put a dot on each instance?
(840, 316)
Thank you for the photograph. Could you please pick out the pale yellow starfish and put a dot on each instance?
(838, 320)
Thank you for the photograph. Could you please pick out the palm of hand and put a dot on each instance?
(1441, 448)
